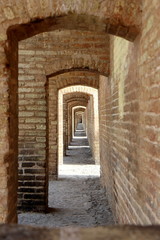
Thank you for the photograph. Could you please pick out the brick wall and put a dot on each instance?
(84, 120)
(129, 124)
(38, 56)
(81, 109)
(32, 143)
(119, 17)
(54, 84)
(72, 101)
(75, 100)
(79, 117)
(80, 92)
(24, 20)
(93, 126)
(90, 123)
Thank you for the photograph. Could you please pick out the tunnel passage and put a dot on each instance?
(70, 119)
(129, 118)
(74, 197)
(38, 99)
(92, 123)
(69, 101)
(79, 147)
(77, 197)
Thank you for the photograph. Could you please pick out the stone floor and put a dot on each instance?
(79, 152)
(77, 198)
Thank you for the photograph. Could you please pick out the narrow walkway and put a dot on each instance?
(77, 198)
(79, 151)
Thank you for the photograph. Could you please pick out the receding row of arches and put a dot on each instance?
(47, 50)
(19, 33)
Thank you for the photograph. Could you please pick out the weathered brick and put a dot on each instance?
(128, 149)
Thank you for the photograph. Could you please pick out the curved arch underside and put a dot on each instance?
(76, 95)
(85, 78)
(121, 18)
(78, 89)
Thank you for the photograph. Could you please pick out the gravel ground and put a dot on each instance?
(73, 202)
(77, 198)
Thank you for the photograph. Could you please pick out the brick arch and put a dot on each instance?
(79, 110)
(81, 106)
(87, 75)
(23, 19)
(53, 126)
(72, 77)
(77, 89)
(61, 52)
(90, 65)
(60, 81)
(83, 70)
(121, 18)
(70, 101)
(27, 23)
(62, 78)
(78, 115)
(76, 95)
(75, 103)
(77, 99)
(75, 111)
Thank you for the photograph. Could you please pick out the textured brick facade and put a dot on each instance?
(70, 101)
(129, 124)
(56, 83)
(129, 118)
(42, 55)
(90, 123)
(71, 97)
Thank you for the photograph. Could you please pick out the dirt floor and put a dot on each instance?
(77, 198)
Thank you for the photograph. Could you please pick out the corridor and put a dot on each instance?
(79, 151)
(77, 198)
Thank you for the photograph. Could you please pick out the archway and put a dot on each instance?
(84, 89)
(73, 117)
(9, 64)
